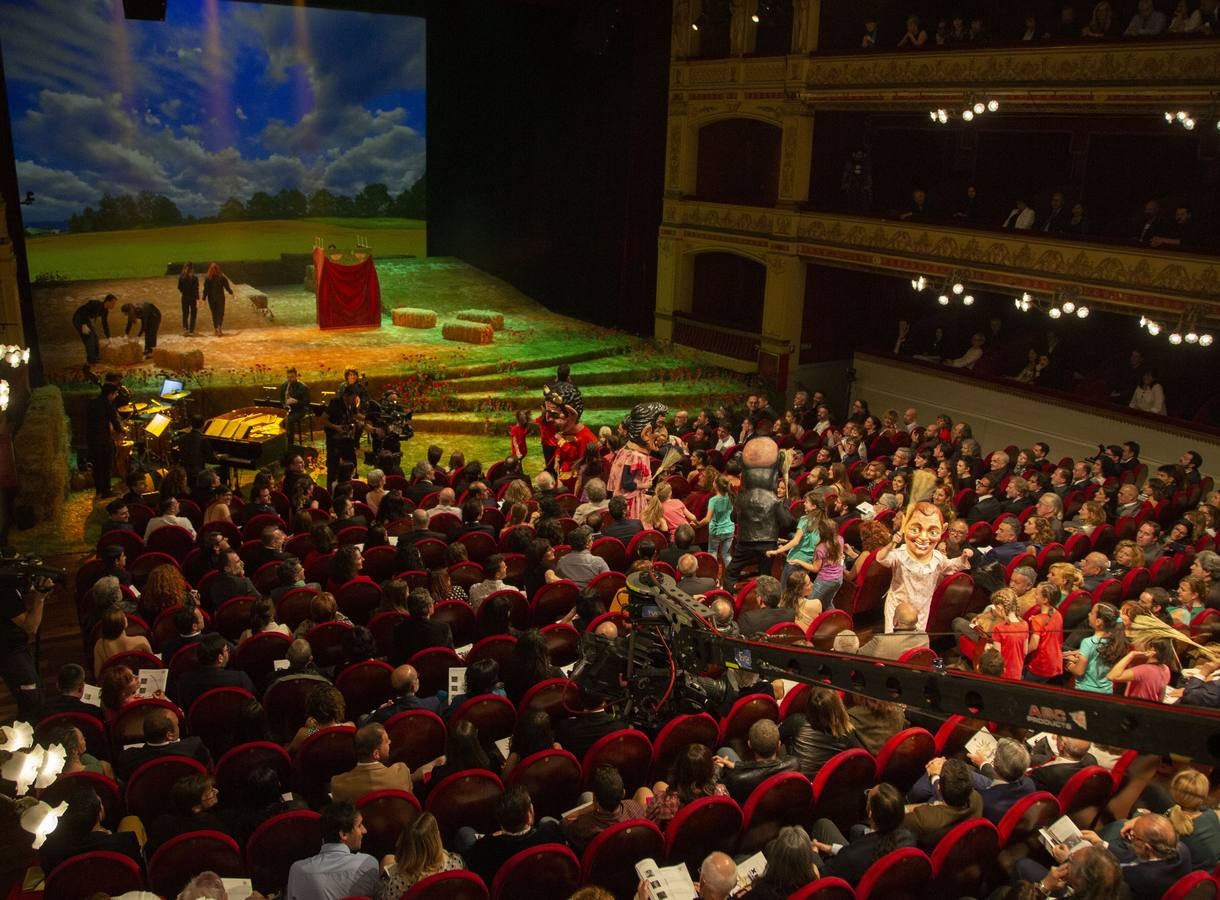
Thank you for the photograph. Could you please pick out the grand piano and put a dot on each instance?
(251, 437)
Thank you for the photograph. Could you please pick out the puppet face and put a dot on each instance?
(655, 436)
(922, 532)
(564, 419)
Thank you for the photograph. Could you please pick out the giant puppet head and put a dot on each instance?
(922, 530)
(645, 425)
(562, 407)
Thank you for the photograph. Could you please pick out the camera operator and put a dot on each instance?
(20, 619)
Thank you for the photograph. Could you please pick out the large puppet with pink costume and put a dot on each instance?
(916, 563)
(631, 472)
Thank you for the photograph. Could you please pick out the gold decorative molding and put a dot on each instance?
(1138, 74)
(1111, 275)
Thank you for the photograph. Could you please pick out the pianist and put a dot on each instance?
(294, 397)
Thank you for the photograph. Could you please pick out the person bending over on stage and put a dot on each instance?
(188, 291)
(149, 318)
(215, 286)
(84, 323)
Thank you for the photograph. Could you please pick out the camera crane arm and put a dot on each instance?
(1132, 724)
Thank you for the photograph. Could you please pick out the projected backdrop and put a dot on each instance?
(224, 112)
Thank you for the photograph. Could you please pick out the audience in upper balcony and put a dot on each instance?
(869, 41)
(1021, 218)
(1209, 15)
(1181, 233)
(1147, 21)
(1056, 219)
(915, 36)
(918, 210)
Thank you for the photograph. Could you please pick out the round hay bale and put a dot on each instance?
(413, 317)
(40, 454)
(494, 319)
(468, 332)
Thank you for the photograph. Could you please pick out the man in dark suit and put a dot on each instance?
(1017, 496)
(271, 549)
(291, 575)
(405, 682)
(986, 507)
(211, 672)
(118, 517)
(80, 831)
(757, 621)
(472, 515)
(683, 542)
(578, 733)
(742, 776)
(421, 483)
(160, 739)
(418, 631)
(419, 531)
(621, 527)
(188, 625)
(1053, 767)
(689, 582)
(231, 582)
(71, 684)
(345, 515)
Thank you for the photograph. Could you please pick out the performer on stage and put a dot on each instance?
(149, 318)
(188, 291)
(84, 322)
(352, 379)
(342, 423)
(631, 471)
(916, 563)
(215, 286)
(102, 429)
(294, 397)
(562, 408)
(762, 516)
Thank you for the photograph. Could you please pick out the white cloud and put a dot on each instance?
(240, 113)
(171, 108)
(151, 119)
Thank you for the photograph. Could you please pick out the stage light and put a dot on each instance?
(1082, 312)
(967, 115)
(942, 116)
(1205, 340)
(958, 287)
(1189, 124)
(1192, 337)
(1054, 312)
(1154, 329)
(1175, 338)
(932, 114)
(943, 299)
(694, 26)
(1143, 321)
(993, 105)
(919, 283)
(1181, 115)
(1069, 307)
(1169, 117)
(754, 18)
(979, 108)
(16, 737)
(968, 300)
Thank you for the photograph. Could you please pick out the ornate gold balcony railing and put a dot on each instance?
(1109, 275)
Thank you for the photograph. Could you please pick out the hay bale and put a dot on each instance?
(121, 352)
(40, 452)
(413, 317)
(178, 360)
(468, 332)
(494, 319)
(248, 292)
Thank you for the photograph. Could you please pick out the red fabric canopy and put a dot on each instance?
(348, 296)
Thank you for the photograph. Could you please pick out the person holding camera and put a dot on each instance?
(20, 618)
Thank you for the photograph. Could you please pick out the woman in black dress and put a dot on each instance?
(188, 288)
(214, 288)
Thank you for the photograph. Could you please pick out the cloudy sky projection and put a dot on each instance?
(222, 99)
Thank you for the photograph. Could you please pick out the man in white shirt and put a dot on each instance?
(595, 490)
(579, 565)
(971, 356)
(724, 439)
(494, 572)
(169, 516)
(339, 869)
(445, 505)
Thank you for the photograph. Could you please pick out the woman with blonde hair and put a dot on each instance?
(664, 512)
(1090, 516)
(1038, 530)
(1010, 635)
(516, 492)
(418, 854)
(1066, 577)
(215, 286)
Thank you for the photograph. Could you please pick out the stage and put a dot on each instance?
(465, 394)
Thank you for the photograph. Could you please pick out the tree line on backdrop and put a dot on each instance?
(150, 210)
